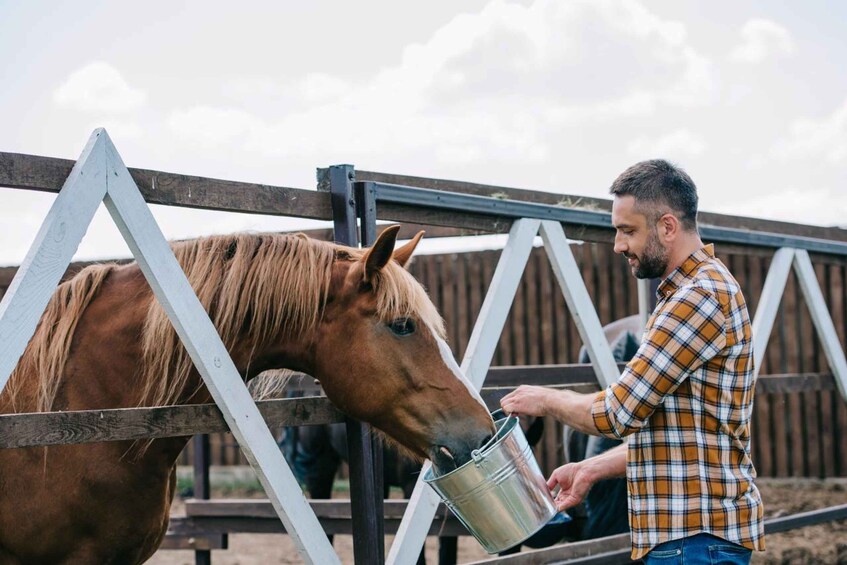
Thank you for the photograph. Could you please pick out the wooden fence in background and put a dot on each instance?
(800, 424)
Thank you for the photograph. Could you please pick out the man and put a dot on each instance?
(686, 397)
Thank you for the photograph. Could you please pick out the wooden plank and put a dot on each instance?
(188, 527)
(475, 288)
(262, 508)
(518, 328)
(616, 548)
(58, 428)
(839, 312)
(841, 415)
(463, 319)
(609, 550)
(203, 542)
(605, 298)
(809, 400)
(48, 174)
(62, 428)
(793, 402)
(762, 432)
(804, 519)
(531, 308)
(447, 275)
(546, 314)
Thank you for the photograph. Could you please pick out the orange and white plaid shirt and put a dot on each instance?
(688, 393)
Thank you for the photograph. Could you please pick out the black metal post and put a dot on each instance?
(368, 538)
(201, 486)
(366, 208)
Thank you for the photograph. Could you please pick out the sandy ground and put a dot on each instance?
(822, 544)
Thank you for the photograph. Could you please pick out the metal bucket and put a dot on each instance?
(500, 495)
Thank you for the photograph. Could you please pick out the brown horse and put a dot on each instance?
(354, 319)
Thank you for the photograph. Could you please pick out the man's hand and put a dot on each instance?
(566, 406)
(576, 479)
(527, 400)
(574, 483)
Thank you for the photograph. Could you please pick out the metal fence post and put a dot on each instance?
(368, 538)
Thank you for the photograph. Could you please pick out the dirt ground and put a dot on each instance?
(822, 544)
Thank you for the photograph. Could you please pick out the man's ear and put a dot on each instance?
(668, 227)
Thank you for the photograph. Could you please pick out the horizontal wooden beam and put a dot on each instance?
(62, 428)
(617, 548)
(211, 517)
(260, 508)
(199, 542)
(47, 174)
(609, 550)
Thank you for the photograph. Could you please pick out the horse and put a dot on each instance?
(354, 319)
(605, 506)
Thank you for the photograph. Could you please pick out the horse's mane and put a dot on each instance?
(258, 287)
(45, 356)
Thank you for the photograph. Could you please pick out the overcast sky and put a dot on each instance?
(750, 97)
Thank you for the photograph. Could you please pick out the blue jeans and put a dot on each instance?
(699, 549)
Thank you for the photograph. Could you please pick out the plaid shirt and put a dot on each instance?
(688, 392)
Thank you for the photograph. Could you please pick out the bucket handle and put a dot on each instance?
(478, 454)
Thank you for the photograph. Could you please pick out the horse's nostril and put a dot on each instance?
(484, 441)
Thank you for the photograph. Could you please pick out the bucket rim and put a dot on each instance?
(508, 421)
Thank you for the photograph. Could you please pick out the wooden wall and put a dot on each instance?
(800, 433)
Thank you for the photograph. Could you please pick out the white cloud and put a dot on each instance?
(761, 39)
(679, 143)
(496, 85)
(825, 138)
(98, 87)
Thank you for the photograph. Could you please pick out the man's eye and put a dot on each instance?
(402, 326)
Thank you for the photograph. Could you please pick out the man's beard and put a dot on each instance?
(653, 261)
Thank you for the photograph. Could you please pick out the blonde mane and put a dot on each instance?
(255, 287)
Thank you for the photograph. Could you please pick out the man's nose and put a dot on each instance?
(620, 247)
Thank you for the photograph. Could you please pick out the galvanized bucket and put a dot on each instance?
(500, 495)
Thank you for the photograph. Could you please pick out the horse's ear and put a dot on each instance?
(403, 254)
(380, 252)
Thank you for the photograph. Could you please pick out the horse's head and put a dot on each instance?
(381, 357)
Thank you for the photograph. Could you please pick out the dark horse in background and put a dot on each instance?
(604, 510)
(315, 454)
(354, 319)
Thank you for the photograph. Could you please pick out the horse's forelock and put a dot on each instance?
(399, 295)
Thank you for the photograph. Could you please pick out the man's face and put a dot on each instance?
(638, 240)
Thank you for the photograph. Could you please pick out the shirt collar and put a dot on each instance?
(684, 271)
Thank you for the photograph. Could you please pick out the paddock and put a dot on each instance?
(801, 387)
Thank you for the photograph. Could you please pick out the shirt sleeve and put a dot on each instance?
(687, 331)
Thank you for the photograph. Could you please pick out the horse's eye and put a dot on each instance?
(402, 326)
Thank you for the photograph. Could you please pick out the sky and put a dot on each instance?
(749, 97)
